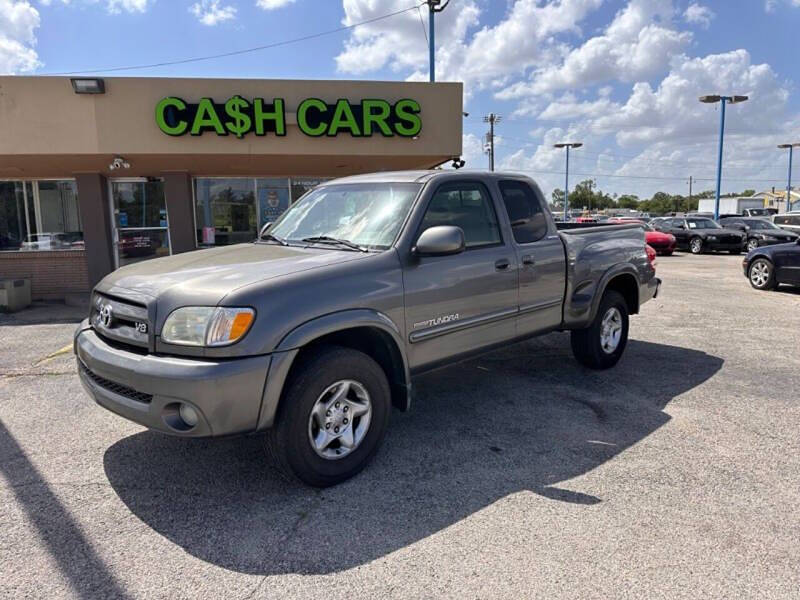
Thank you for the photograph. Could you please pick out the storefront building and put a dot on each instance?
(99, 173)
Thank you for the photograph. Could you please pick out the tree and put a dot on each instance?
(558, 199)
(628, 201)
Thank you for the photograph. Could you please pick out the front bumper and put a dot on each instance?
(147, 388)
(717, 245)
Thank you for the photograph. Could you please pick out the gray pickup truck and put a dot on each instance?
(313, 332)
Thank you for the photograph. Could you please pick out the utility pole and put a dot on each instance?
(434, 6)
(689, 204)
(491, 119)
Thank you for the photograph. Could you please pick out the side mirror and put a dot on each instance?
(264, 229)
(440, 241)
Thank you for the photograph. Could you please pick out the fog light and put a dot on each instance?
(189, 415)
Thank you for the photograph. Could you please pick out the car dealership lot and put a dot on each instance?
(518, 474)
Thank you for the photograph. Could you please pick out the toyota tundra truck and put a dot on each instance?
(313, 332)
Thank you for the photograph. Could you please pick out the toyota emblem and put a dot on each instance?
(105, 315)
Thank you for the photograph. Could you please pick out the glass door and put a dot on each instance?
(140, 220)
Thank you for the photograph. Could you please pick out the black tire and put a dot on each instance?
(288, 441)
(752, 244)
(761, 283)
(696, 245)
(667, 253)
(586, 343)
(735, 251)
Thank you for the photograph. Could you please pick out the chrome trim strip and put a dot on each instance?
(438, 330)
(540, 305)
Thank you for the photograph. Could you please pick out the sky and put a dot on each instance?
(621, 76)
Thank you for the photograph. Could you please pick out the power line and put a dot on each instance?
(422, 22)
(244, 51)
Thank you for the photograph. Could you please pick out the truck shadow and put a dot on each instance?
(524, 418)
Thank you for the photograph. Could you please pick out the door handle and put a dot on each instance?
(501, 264)
(528, 260)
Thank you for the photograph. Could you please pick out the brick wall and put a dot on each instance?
(53, 273)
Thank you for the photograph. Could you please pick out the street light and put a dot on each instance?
(567, 145)
(723, 100)
(789, 182)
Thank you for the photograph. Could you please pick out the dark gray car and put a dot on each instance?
(313, 332)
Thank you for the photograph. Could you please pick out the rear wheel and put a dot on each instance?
(696, 245)
(333, 417)
(600, 346)
(752, 244)
(761, 274)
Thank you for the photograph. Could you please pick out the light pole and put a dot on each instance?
(789, 182)
(491, 119)
(722, 100)
(567, 145)
(434, 6)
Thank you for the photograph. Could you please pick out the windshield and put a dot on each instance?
(759, 224)
(702, 224)
(366, 214)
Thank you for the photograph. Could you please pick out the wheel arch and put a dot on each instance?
(623, 280)
(365, 330)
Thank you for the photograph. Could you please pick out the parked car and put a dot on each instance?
(789, 221)
(768, 266)
(312, 332)
(760, 232)
(661, 243)
(699, 234)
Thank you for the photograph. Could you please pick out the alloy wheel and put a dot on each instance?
(340, 419)
(611, 330)
(759, 274)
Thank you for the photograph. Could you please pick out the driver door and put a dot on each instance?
(460, 303)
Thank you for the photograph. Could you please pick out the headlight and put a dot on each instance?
(712, 238)
(207, 325)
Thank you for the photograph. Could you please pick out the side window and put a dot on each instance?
(528, 222)
(466, 205)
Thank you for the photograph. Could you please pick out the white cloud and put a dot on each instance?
(272, 4)
(18, 23)
(116, 6)
(209, 12)
(771, 5)
(664, 131)
(698, 14)
(638, 43)
(525, 37)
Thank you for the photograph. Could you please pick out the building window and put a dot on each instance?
(231, 211)
(39, 215)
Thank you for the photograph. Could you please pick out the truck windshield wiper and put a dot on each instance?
(326, 239)
(274, 238)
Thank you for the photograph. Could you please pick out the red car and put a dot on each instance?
(662, 243)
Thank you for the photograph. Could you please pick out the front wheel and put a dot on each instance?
(600, 346)
(696, 245)
(761, 274)
(752, 244)
(332, 418)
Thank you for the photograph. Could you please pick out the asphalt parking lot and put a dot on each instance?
(517, 475)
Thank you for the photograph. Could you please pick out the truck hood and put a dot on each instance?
(205, 277)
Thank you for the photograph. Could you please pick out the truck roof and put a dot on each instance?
(422, 176)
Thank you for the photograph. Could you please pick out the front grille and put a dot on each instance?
(126, 322)
(116, 388)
